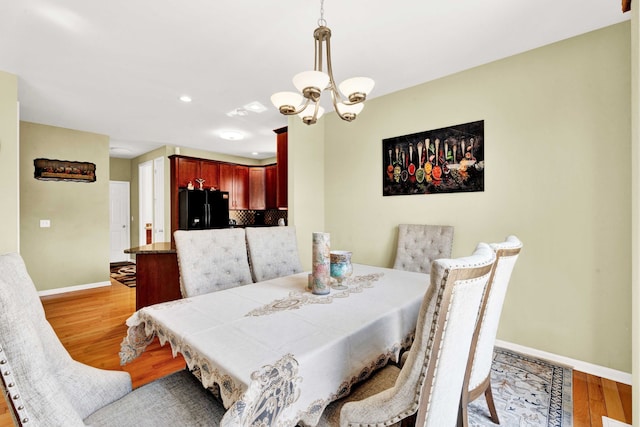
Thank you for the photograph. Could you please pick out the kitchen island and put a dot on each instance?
(157, 275)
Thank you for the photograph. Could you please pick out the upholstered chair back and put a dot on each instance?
(420, 244)
(42, 384)
(430, 381)
(478, 380)
(273, 252)
(211, 260)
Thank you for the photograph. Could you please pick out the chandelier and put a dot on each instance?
(311, 84)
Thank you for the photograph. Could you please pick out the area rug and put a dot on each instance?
(124, 272)
(527, 392)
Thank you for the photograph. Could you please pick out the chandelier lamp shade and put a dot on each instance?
(347, 98)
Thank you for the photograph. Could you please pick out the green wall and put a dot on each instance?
(119, 169)
(306, 186)
(558, 175)
(9, 183)
(75, 249)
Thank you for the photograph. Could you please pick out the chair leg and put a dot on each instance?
(488, 394)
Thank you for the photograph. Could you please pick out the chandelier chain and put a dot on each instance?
(322, 22)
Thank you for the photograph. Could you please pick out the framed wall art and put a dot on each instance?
(446, 160)
(64, 170)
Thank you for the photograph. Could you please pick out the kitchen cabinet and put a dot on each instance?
(235, 179)
(257, 195)
(282, 171)
(249, 187)
(241, 186)
(188, 169)
(210, 172)
(270, 187)
(226, 178)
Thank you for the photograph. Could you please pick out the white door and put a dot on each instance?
(119, 220)
(145, 205)
(158, 199)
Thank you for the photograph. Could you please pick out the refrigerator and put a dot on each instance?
(200, 209)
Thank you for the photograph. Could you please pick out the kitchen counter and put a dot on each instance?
(153, 248)
(157, 275)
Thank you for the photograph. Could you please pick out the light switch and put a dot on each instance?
(45, 223)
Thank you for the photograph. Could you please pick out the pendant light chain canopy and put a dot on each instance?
(347, 98)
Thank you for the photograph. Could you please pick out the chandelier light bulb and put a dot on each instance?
(286, 102)
(356, 89)
(311, 83)
(307, 114)
(349, 111)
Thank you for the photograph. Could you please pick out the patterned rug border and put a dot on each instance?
(126, 278)
(560, 405)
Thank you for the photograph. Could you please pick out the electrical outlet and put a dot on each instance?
(45, 223)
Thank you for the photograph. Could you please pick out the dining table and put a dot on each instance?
(277, 350)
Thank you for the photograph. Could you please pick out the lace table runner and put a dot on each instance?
(297, 299)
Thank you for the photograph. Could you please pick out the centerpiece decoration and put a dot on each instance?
(321, 264)
(341, 267)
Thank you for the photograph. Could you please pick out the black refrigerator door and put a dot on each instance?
(218, 209)
(192, 209)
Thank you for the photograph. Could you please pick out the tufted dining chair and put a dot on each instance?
(211, 260)
(273, 252)
(430, 382)
(478, 375)
(44, 386)
(420, 244)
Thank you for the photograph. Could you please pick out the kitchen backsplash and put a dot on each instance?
(248, 217)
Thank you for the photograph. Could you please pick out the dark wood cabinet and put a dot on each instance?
(157, 275)
(257, 188)
(249, 187)
(282, 160)
(235, 179)
(210, 172)
(186, 170)
(226, 178)
(241, 187)
(270, 186)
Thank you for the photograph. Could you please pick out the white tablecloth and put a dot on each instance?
(333, 341)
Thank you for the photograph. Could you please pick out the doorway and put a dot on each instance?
(145, 208)
(119, 220)
(151, 201)
(158, 199)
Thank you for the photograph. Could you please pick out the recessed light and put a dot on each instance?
(256, 107)
(185, 98)
(255, 153)
(231, 135)
(237, 112)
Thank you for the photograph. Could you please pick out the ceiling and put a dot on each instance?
(118, 67)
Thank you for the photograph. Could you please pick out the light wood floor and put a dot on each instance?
(91, 325)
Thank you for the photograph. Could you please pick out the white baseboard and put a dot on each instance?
(73, 288)
(578, 365)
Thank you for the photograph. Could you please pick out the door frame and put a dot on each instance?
(127, 202)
